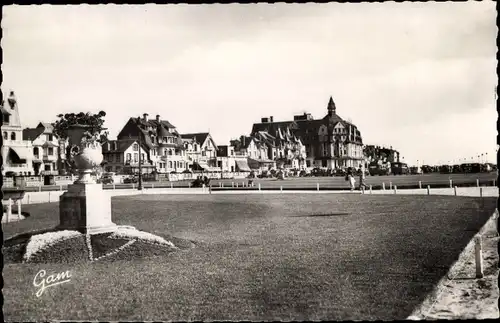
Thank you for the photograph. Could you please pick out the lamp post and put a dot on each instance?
(139, 186)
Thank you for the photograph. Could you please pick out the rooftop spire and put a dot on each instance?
(331, 107)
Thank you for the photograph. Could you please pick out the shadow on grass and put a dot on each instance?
(319, 215)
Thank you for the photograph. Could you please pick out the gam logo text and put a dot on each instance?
(51, 280)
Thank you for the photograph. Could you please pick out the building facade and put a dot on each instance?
(167, 151)
(330, 142)
(122, 157)
(48, 150)
(201, 151)
(17, 153)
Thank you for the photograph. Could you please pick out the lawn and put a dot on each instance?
(259, 257)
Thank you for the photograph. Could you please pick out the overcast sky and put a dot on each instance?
(418, 76)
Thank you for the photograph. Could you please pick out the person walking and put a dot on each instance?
(351, 179)
(362, 176)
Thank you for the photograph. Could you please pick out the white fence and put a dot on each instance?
(53, 196)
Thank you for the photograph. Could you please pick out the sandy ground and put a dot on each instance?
(462, 296)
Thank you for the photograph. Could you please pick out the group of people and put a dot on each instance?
(350, 177)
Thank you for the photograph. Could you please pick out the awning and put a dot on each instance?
(204, 167)
(21, 152)
(242, 166)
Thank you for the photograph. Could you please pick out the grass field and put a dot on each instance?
(266, 257)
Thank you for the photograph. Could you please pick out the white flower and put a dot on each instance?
(140, 235)
(41, 241)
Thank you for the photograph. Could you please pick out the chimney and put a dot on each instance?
(145, 115)
(158, 117)
(264, 120)
(271, 119)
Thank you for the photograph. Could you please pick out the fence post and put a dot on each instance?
(152, 185)
(317, 187)
(114, 186)
(477, 182)
(236, 184)
(420, 184)
(428, 190)
(210, 189)
(371, 189)
(383, 186)
(49, 196)
(9, 209)
(40, 188)
(395, 189)
(480, 192)
(19, 208)
(221, 184)
(259, 186)
(60, 187)
(232, 184)
(390, 185)
(281, 188)
(451, 183)
(479, 257)
(172, 185)
(455, 188)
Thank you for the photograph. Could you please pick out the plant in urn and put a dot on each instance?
(85, 133)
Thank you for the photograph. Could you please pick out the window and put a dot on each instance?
(117, 158)
(142, 156)
(136, 157)
(50, 137)
(5, 135)
(47, 167)
(51, 151)
(6, 119)
(129, 157)
(35, 151)
(135, 147)
(13, 136)
(169, 164)
(109, 168)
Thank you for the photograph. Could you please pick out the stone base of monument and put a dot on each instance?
(85, 207)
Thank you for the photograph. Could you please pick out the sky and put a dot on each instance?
(420, 77)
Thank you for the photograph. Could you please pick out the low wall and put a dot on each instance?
(53, 196)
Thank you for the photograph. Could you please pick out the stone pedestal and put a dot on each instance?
(85, 207)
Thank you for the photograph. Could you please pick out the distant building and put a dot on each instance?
(17, 153)
(122, 157)
(49, 152)
(201, 151)
(328, 142)
(165, 149)
(226, 158)
(381, 155)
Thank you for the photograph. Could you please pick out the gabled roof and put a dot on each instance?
(200, 137)
(47, 126)
(32, 133)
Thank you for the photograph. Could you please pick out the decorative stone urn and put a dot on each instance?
(85, 206)
(86, 152)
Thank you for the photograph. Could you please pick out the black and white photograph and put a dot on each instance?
(250, 162)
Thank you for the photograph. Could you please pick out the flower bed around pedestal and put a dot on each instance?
(72, 246)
